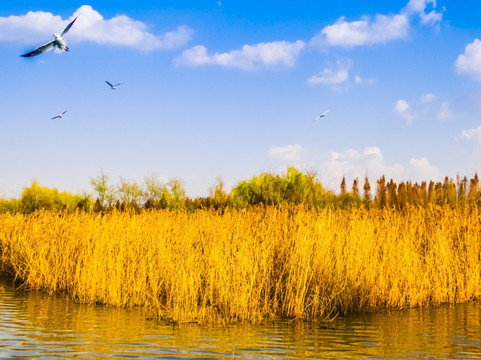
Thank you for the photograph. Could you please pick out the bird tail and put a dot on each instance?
(61, 47)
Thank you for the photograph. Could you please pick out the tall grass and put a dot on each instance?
(251, 264)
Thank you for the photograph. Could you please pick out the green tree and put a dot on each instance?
(37, 197)
(218, 197)
(130, 194)
(104, 192)
(293, 187)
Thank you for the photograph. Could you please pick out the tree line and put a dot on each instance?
(290, 188)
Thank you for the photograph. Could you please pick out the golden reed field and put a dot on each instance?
(249, 265)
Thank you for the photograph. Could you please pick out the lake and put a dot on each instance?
(34, 324)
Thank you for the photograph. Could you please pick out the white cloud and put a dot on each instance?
(419, 7)
(469, 63)
(427, 98)
(380, 29)
(474, 134)
(403, 109)
(352, 163)
(421, 170)
(250, 57)
(445, 112)
(372, 151)
(363, 32)
(337, 76)
(287, 153)
(329, 76)
(401, 106)
(92, 27)
(428, 107)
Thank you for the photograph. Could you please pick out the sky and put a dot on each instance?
(230, 89)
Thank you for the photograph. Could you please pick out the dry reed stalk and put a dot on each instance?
(248, 265)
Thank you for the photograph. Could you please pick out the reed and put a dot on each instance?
(251, 264)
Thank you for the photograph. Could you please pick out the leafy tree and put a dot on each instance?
(130, 193)
(292, 188)
(473, 195)
(219, 198)
(366, 190)
(105, 193)
(9, 206)
(355, 187)
(402, 196)
(173, 196)
(343, 186)
(37, 197)
(381, 192)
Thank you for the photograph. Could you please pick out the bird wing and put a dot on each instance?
(67, 28)
(118, 84)
(317, 117)
(40, 50)
(64, 112)
(55, 117)
(109, 83)
(325, 112)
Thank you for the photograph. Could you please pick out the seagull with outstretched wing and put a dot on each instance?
(113, 87)
(321, 115)
(59, 42)
(59, 116)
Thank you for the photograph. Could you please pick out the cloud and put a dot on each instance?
(359, 80)
(250, 57)
(91, 27)
(427, 107)
(338, 75)
(380, 29)
(445, 112)
(474, 134)
(421, 170)
(329, 76)
(354, 164)
(428, 98)
(292, 153)
(363, 32)
(331, 166)
(469, 63)
(419, 7)
(403, 109)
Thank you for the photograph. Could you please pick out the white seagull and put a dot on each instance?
(321, 115)
(113, 87)
(59, 116)
(59, 42)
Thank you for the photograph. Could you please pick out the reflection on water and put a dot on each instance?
(37, 325)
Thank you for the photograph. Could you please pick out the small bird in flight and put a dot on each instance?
(113, 87)
(59, 116)
(59, 42)
(321, 115)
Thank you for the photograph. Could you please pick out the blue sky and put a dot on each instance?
(230, 89)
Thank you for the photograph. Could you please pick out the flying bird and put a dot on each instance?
(321, 115)
(59, 116)
(113, 87)
(59, 42)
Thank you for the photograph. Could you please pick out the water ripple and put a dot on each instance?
(36, 325)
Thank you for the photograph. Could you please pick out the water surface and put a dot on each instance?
(34, 324)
